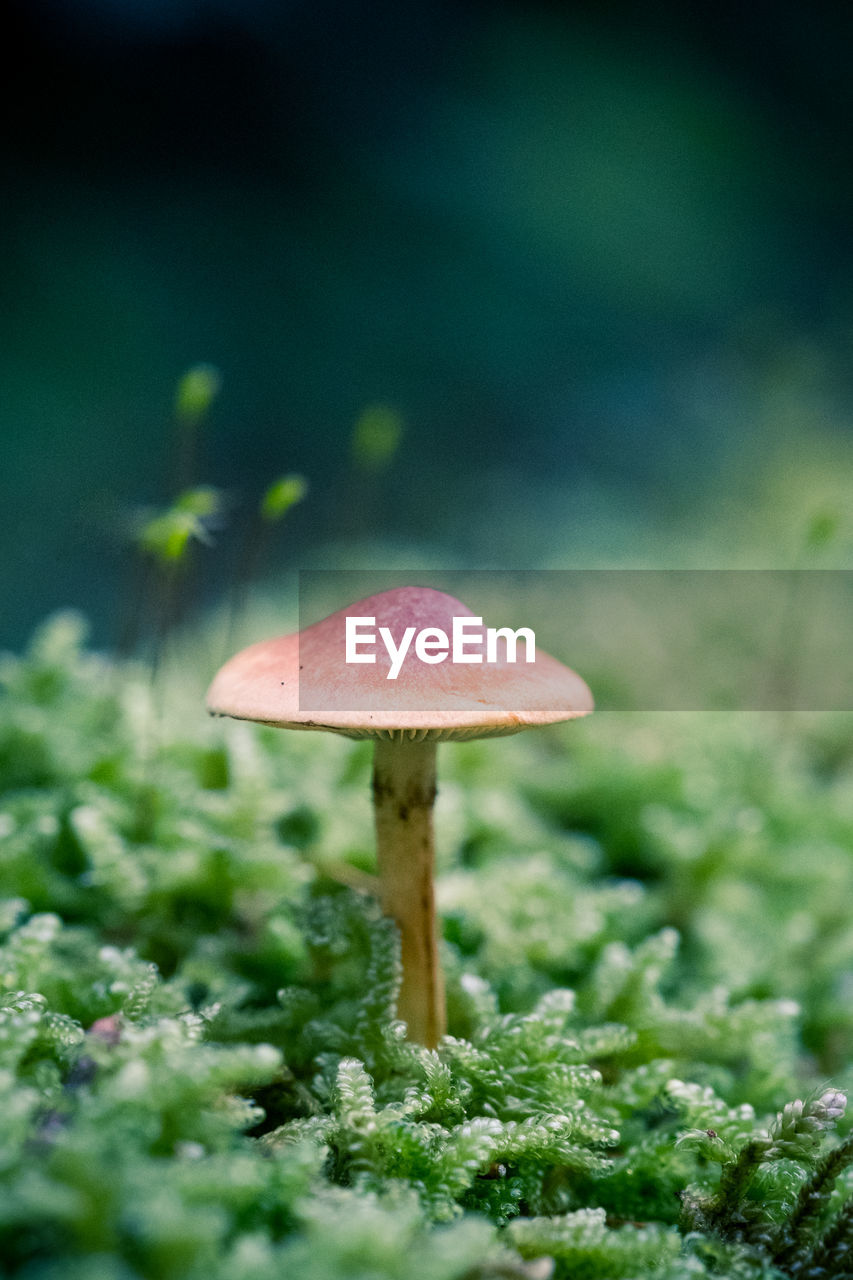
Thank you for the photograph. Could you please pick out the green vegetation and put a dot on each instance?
(649, 959)
(197, 390)
(167, 535)
(281, 495)
(376, 437)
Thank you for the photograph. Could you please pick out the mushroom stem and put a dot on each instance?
(403, 795)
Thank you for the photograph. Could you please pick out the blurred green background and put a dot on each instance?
(595, 263)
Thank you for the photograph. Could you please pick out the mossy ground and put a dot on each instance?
(649, 954)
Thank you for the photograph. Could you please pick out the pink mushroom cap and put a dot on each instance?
(302, 681)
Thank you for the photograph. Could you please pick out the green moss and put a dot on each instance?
(201, 1075)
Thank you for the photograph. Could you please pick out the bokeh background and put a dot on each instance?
(595, 262)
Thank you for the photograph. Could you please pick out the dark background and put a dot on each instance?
(598, 258)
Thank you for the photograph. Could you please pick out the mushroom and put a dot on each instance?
(303, 681)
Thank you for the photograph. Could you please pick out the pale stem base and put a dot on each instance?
(404, 793)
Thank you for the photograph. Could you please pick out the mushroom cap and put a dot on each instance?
(302, 681)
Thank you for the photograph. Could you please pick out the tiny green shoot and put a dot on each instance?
(196, 391)
(167, 535)
(281, 495)
(195, 394)
(822, 530)
(277, 500)
(376, 437)
(165, 539)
